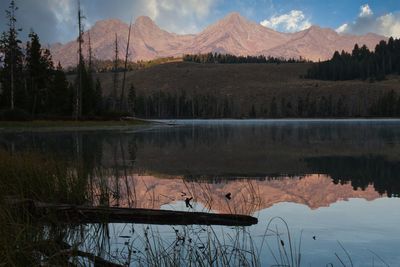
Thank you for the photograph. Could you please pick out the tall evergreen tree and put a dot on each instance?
(39, 71)
(89, 100)
(11, 73)
(273, 108)
(98, 98)
(253, 113)
(61, 95)
(131, 99)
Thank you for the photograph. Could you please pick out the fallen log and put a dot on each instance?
(164, 122)
(86, 214)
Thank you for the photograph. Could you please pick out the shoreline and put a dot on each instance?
(276, 120)
(70, 125)
(136, 124)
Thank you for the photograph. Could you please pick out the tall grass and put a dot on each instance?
(30, 175)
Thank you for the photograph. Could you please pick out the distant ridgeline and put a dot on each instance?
(215, 58)
(360, 64)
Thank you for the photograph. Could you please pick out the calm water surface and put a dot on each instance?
(331, 181)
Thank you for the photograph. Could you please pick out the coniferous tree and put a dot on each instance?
(61, 95)
(300, 107)
(341, 109)
(39, 72)
(88, 93)
(289, 109)
(253, 113)
(217, 58)
(12, 85)
(273, 108)
(361, 63)
(131, 100)
(98, 98)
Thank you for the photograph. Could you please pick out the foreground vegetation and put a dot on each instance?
(26, 240)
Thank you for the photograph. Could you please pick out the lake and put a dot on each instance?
(335, 183)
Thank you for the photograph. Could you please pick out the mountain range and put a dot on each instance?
(233, 34)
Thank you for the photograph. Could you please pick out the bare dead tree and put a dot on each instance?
(115, 80)
(78, 97)
(12, 46)
(122, 102)
(90, 53)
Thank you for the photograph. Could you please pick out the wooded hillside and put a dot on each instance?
(254, 90)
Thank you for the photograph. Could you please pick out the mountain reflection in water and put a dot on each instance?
(248, 196)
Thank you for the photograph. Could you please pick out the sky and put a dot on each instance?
(55, 20)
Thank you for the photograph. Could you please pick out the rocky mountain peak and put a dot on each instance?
(145, 21)
(234, 34)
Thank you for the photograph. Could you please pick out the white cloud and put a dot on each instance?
(151, 8)
(55, 20)
(293, 21)
(365, 11)
(387, 24)
(180, 16)
(64, 10)
(390, 24)
(342, 28)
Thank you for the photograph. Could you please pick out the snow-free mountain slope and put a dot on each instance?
(233, 34)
